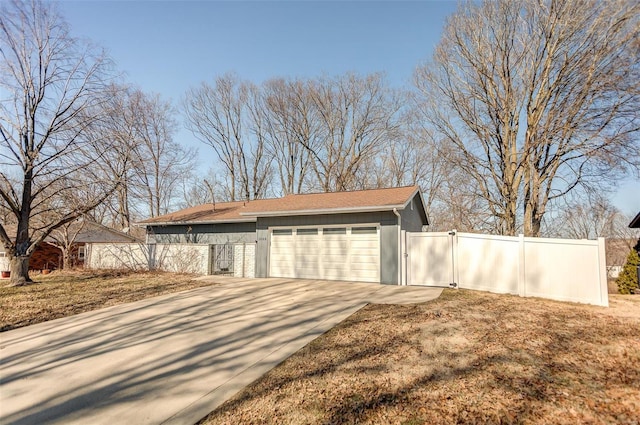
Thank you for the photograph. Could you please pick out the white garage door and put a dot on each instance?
(333, 253)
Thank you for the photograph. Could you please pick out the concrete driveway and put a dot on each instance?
(174, 358)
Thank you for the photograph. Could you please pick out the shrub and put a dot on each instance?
(628, 280)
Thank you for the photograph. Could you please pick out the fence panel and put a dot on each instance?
(487, 263)
(563, 269)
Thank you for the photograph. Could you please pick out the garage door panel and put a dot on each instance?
(334, 253)
(363, 244)
(364, 261)
(334, 258)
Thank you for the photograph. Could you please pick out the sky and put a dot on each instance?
(168, 47)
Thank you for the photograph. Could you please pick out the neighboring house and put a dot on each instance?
(94, 233)
(635, 223)
(617, 251)
(49, 254)
(352, 236)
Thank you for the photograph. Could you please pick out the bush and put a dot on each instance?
(628, 280)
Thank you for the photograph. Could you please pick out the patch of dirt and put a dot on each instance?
(467, 357)
(65, 293)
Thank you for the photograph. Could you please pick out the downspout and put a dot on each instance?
(395, 211)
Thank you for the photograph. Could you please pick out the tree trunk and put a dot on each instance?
(19, 266)
(66, 258)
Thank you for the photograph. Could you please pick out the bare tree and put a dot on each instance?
(158, 161)
(118, 123)
(64, 238)
(221, 117)
(536, 98)
(289, 125)
(51, 84)
(355, 115)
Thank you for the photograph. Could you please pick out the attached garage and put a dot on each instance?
(333, 253)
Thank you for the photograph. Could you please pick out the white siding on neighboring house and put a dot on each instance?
(614, 271)
(4, 261)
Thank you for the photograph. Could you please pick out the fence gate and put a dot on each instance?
(222, 259)
(430, 259)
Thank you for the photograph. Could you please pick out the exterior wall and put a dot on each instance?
(184, 258)
(203, 233)
(244, 260)
(413, 216)
(388, 237)
(4, 261)
(132, 256)
(137, 256)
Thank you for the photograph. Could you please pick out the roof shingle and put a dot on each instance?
(313, 203)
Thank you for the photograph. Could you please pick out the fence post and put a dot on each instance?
(522, 284)
(602, 273)
(455, 266)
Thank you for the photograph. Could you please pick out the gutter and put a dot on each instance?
(178, 223)
(395, 211)
(322, 211)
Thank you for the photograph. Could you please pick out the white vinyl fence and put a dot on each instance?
(179, 258)
(559, 269)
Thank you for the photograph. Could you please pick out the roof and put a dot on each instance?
(97, 233)
(88, 232)
(635, 223)
(300, 204)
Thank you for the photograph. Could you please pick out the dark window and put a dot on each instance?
(282, 231)
(307, 231)
(334, 231)
(364, 230)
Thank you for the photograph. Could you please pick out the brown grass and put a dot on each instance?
(467, 357)
(61, 294)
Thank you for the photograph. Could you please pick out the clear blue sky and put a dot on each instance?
(170, 46)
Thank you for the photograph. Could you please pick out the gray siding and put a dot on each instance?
(388, 237)
(389, 254)
(203, 233)
(413, 216)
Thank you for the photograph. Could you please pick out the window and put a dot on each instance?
(307, 231)
(81, 251)
(334, 231)
(364, 231)
(2, 254)
(282, 232)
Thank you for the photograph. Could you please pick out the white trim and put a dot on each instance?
(323, 211)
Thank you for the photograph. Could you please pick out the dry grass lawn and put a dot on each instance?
(467, 357)
(61, 294)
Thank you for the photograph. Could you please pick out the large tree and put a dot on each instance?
(533, 99)
(51, 90)
(356, 116)
(223, 116)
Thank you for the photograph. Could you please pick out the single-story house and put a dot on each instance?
(353, 236)
(48, 254)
